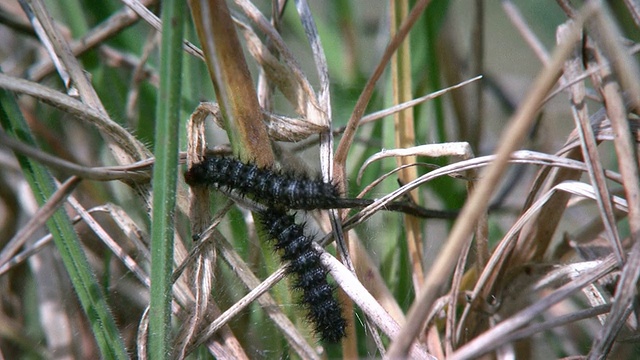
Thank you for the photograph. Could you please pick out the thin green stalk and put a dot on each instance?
(165, 173)
(65, 238)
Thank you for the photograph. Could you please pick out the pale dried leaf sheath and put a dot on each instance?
(298, 90)
(279, 127)
(590, 151)
(232, 82)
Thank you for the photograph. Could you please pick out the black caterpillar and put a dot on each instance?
(272, 188)
(304, 262)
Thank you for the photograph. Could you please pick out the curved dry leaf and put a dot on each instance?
(283, 128)
(279, 127)
(498, 334)
(291, 82)
(601, 127)
(461, 149)
(415, 102)
(504, 247)
(521, 156)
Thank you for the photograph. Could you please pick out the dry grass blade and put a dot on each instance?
(279, 127)
(413, 102)
(143, 335)
(495, 337)
(38, 220)
(634, 10)
(365, 301)
(512, 138)
(201, 276)
(462, 150)
(109, 28)
(522, 156)
(68, 104)
(131, 263)
(476, 121)
(590, 152)
(486, 282)
(232, 81)
(140, 8)
(69, 67)
(626, 150)
(297, 88)
(323, 113)
(125, 224)
(137, 172)
(292, 84)
(363, 100)
(405, 136)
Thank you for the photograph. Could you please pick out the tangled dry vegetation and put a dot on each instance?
(101, 102)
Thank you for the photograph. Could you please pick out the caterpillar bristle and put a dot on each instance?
(317, 297)
(280, 191)
(268, 186)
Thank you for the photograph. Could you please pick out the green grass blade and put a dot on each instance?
(66, 241)
(164, 178)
